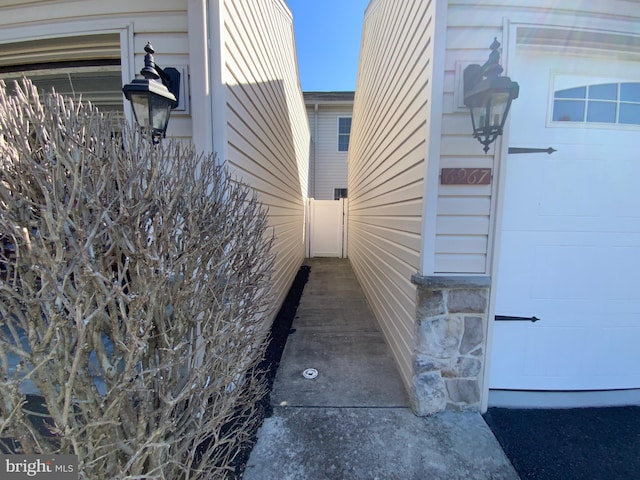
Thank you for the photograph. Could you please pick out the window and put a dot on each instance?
(86, 66)
(344, 131)
(339, 193)
(599, 103)
(100, 85)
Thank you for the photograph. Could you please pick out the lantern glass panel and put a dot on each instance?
(159, 111)
(479, 117)
(140, 103)
(498, 105)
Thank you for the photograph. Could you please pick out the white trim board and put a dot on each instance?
(563, 399)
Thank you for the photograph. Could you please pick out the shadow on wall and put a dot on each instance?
(268, 148)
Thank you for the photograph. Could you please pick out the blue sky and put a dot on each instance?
(328, 42)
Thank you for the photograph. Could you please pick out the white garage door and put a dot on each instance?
(570, 243)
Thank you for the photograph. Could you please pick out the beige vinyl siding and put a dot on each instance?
(267, 134)
(387, 165)
(464, 212)
(330, 167)
(162, 22)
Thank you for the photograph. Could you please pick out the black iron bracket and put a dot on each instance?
(509, 318)
(513, 150)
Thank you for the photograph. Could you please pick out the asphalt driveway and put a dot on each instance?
(567, 444)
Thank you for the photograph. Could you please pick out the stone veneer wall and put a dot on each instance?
(451, 321)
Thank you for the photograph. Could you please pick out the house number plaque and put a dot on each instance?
(465, 176)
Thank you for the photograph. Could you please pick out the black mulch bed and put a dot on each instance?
(280, 330)
(567, 444)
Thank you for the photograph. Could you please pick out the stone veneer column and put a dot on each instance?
(451, 321)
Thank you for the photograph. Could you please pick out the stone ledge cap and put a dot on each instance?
(452, 281)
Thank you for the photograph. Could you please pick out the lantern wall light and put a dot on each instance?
(488, 96)
(153, 94)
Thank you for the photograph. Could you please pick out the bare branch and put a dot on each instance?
(133, 295)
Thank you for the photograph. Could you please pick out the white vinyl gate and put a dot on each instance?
(327, 228)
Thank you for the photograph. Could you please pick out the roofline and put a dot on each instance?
(334, 97)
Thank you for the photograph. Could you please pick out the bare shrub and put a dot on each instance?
(132, 296)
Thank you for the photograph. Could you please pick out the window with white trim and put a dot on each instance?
(617, 103)
(82, 66)
(344, 132)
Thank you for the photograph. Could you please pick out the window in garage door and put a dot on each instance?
(614, 103)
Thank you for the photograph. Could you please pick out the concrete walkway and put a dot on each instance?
(353, 421)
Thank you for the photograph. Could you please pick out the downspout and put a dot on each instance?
(199, 74)
(315, 147)
(217, 86)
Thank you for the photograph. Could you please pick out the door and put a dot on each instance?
(327, 228)
(570, 238)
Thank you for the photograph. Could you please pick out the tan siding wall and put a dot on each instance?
(267, 129)
(161, 22)
(464, 212)
(330, 168)
(387, 165)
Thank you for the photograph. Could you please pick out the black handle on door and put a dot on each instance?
(509, 318)
(513, 150)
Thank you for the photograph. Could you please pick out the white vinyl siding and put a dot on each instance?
(329, 165)
(267, 134)
(387, 165)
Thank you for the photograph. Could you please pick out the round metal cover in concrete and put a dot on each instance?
(310, 373)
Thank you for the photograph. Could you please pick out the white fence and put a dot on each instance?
(327, 228)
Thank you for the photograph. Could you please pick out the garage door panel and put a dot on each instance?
(614, 362)
(621, 347)
(538, 363)
(563, 272)
(570, 244)
(568, 184)
(621, 263)
(510, 336)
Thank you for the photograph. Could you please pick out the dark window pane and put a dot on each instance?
(344, 125)
(343, 143)
(568, 111)
(601, 112)
(630, 92)
(608, 91)
(339, 193)
(630, 113)
(579, 92)
(344, 130)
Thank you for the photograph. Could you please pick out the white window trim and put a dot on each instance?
(338, 133)
(85, 27)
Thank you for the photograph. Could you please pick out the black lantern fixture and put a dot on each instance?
(153, 95)
(488, 97)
